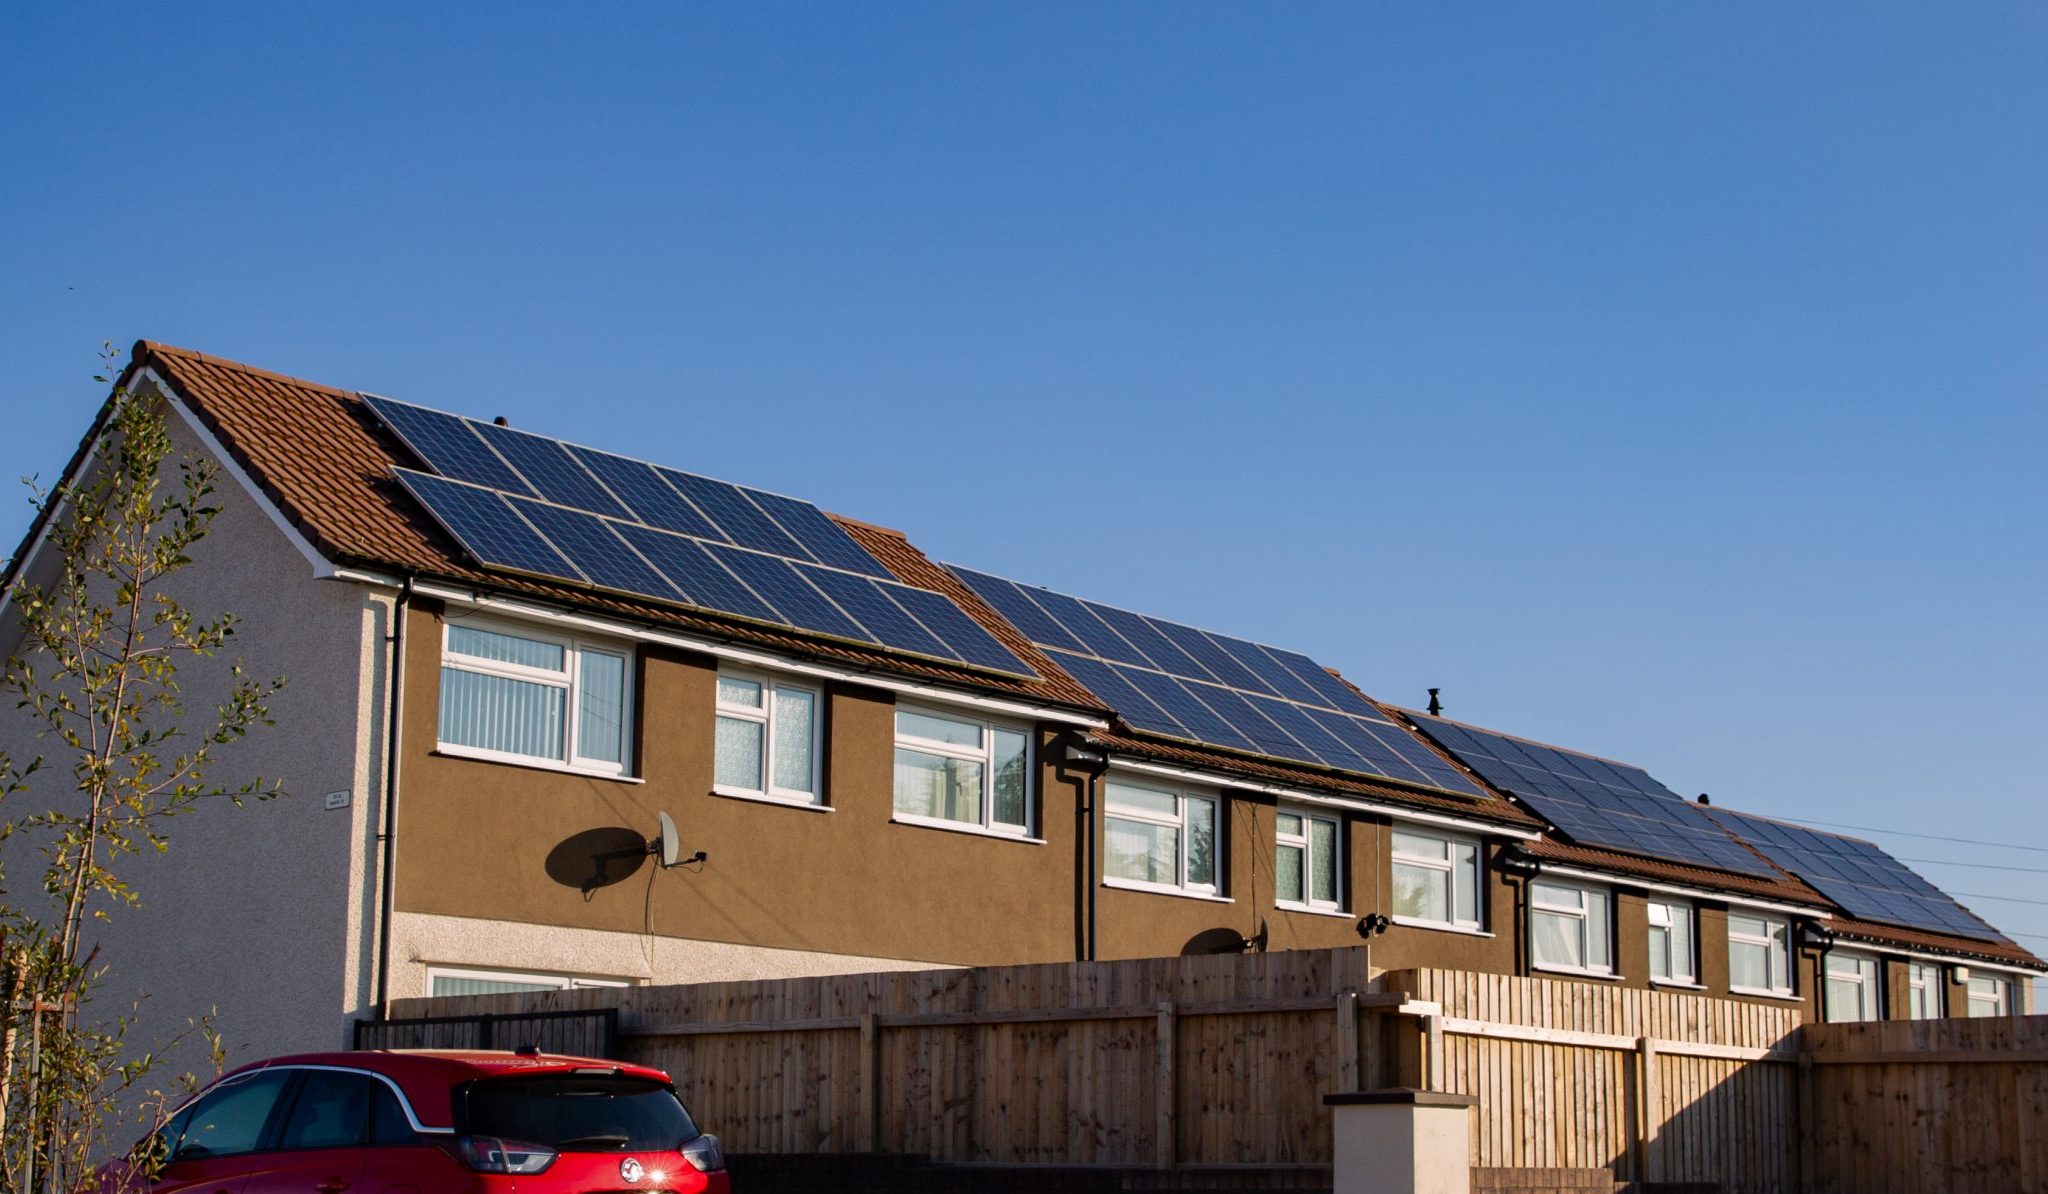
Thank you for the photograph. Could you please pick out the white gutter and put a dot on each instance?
(1955, 959)
(1698, 893)
(472, 599)
(1357, 804)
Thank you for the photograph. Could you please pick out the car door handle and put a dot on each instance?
(332, 1185)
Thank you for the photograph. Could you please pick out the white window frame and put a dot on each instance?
(1777, 953)
(569, 680)
(985, 755)
(1852, 967)
(1674, 912)
(1997, 1001)
(1588, 896)
(1183, 798)
(1926, 991)
(1448, 866)
(550, 981)
(765, 717)
(1305, 842)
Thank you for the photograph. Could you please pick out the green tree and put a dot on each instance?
(96, 675)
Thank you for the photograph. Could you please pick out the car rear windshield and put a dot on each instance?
(575, 1112)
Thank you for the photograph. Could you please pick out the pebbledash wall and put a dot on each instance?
(255, 913)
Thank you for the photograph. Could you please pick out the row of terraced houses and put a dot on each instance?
(508, 657)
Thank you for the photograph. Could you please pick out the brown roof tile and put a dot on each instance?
(1946, 943)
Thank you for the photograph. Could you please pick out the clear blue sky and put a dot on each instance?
(1665, 381)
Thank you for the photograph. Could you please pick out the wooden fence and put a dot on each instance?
(1928, 1106)
(1204, 1060)
(1225, 1060)
(1656, 1085)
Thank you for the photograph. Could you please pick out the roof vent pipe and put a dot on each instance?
(1436, 707)
(1703, 799)
(501, 421)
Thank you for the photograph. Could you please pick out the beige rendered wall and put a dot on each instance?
(254, 913)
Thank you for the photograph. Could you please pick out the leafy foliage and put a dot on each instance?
(96, 673)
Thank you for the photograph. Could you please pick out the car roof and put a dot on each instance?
(427, 1077)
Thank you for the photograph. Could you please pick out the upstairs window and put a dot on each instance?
(1309, 860)
(1990, 995)
(1671, 936)
(449, 981)
(768, 733)
(1569, 927)
(961, 772)
(1853, 987)
(1759, 954)
(1436, 880)
(527, 696)
(1160, 838)
(1924, 991)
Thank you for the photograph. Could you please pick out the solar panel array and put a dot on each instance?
(525, 503)
(1867, 882)
(1170, 679)
(1595, 802)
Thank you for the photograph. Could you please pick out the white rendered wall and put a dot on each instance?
(422, 941)
(256, 913)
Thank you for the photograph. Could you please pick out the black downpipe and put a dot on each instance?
(388, 838)
(1094, 822)
(1084, 861)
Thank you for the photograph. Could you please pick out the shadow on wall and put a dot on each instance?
(597, 858)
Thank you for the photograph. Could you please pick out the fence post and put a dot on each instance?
(1165, 1084)
(870, 1083)
(1432, 1052)
(1809, 1180)
(1649, 1107)
(1347, 1041)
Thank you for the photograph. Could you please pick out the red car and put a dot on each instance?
(425, 1122)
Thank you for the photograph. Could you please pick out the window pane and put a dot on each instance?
(449, 984)
(1747, 964)
(1013, 779)
(507, 648)
(388, 1126)
(1466, 892)
(931, 786)
(1141, 852)
(1681, 941)
(1201, 843)
(1288, 824)
(1843, 1000)
(1287, 883)
(1660, 953)
(601, 728)
(230, 1120)
(1660, 915)
(795, 721)
(1144, 800)
(1597, 935)
(1421, 845)
(332, 1110)
(735, 691)
(1552, 895)
(938, 729)
(1422, 893)
(1555, 939)
(739, 754)
(494, 713)
(1322, 837)
(1748, 926)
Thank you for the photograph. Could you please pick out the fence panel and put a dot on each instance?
(1655, 1085)
(1929, 1106)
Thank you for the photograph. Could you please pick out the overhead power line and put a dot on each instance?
(1980, 866)
(1932, 837)
(1979, 895)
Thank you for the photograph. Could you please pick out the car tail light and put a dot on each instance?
(704, 1153)
(488, 1154)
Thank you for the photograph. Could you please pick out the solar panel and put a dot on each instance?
(525, 503)
(552, 472)
(653, 500)
(448, 444)
(1180, 682)
(487, 526)
(1593, 801)
(1867, 882)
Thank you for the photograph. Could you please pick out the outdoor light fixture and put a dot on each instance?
(1812, 936)
(1515, 860)
(1078, 753)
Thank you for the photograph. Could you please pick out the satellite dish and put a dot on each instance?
(668, 847)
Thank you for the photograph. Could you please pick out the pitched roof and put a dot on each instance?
(325, 463)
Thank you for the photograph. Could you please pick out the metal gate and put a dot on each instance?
(575, 1033)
